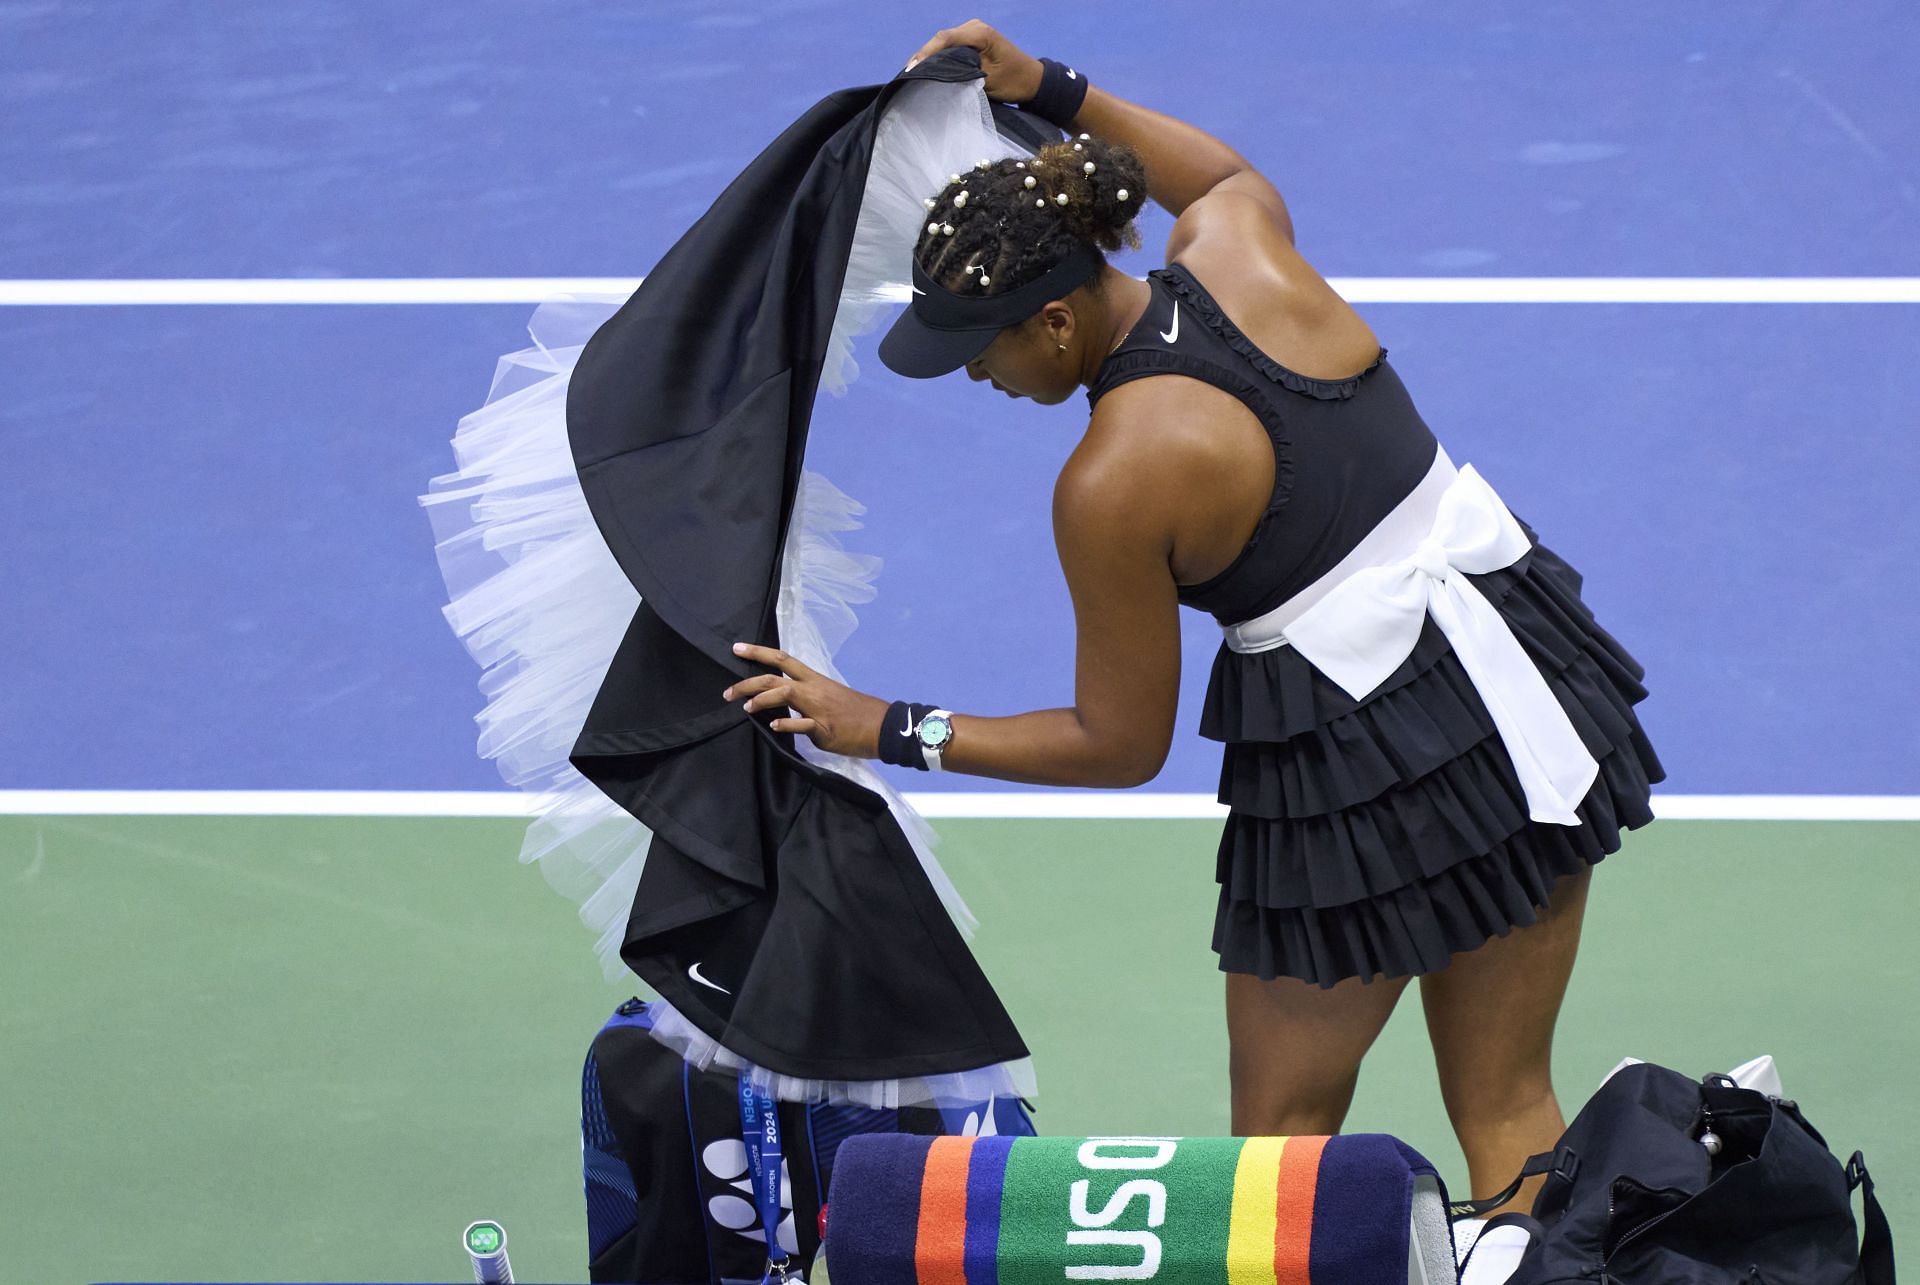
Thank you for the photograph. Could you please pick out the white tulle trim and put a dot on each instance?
(819, 583)
(540, 603)
(958, 1089)
(931, 131)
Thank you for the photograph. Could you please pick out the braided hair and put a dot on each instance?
(1004, 223)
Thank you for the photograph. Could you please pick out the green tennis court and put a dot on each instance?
(295, 1047)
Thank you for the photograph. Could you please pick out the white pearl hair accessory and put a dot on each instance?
(1060, 199)
(946, 229)
(953, 178)
(928, 202)
(1019, 165)
(1088, 167)
(1078, 148)
(933, 227)
(960, 200)
(1121, 194)
(1085, 137)
(1030, 181)
(1041, 201)
(985, 280)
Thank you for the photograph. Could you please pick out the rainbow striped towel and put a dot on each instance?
(1358, 1209)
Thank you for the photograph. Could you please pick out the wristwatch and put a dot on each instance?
(935, 733)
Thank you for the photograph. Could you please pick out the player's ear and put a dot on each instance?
(1058, 322)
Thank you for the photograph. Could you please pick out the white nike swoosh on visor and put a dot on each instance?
(917, 290)
(1171, 335)
(693, 971)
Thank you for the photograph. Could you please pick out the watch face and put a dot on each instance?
(935, 731)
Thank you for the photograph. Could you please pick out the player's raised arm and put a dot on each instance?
(1183, 162)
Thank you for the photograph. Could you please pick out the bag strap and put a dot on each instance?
(1876, 1246)
(1561, 1162)
(1536, 1234)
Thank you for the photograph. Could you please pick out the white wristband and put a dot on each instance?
(932, 756)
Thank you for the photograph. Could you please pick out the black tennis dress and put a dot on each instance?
(1376, 835)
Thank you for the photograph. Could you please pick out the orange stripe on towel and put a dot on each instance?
(939, 1250)
(1293, 1209)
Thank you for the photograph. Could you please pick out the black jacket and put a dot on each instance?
(825, 951)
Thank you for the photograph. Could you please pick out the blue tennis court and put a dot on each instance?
(218, 577)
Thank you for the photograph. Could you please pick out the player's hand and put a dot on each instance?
(1012, 76)
(832, 715)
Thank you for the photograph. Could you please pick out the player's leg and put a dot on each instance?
(1490, 1014)
(1296, 1049)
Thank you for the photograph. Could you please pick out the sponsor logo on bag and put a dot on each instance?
(980, 1124)
(726, 1160)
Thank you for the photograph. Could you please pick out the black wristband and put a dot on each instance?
(1062, 90)
(898, 745)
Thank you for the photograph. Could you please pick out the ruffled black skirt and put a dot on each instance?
(1380, 837)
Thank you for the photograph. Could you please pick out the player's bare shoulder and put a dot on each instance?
(1240, 253)
(1165, 441)
(1236, 233)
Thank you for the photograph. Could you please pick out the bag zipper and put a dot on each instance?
(1652, 1222)
(1627, 1239)
(1702, 1123)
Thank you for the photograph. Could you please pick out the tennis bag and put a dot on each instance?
(1664, 1179)
(669, 1197)
(1358, 1209)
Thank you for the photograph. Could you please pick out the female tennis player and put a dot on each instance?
(1429, 741)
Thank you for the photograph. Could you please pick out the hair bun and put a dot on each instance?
(1105, 184)
(995, 229)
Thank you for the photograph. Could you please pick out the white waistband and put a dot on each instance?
(1396, 536)
(1359, 622)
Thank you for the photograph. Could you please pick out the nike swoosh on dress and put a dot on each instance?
(1171, 335)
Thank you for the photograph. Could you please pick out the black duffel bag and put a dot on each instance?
(1661, 1180)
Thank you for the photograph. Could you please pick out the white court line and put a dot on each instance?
(528, 290)
(265, 803)
(264, 290)
(1629, 289)
(1039, 805)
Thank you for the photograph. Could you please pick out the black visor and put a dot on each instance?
(942, 331)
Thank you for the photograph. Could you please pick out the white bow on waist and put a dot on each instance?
(1361, 629)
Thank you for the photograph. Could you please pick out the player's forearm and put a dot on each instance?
(1183, 162)
(1045, 747)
